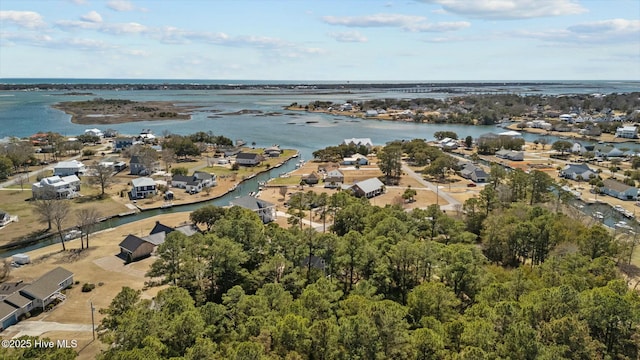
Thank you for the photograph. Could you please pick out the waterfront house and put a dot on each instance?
(355, 159)
(577, 172)
(121, 143)
(619, 190)
(368, 188)
(371, 113)
(66, 168)
(265, 210)
(474, 173)
(248, 159)
(94, 132)
(56, 187)
(273, 151)
(448, 144)
(334, 179)
(143, 187)
(628, 132)
(194, 183)
(366, 142)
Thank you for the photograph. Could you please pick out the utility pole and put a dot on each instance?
(93, 325)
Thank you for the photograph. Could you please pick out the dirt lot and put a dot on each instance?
(98, 265)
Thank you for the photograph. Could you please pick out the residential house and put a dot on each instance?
(8, 315)
(604, 150)
(138, 167)
(248, 159)
(48, 287)
(577, 172)
(371, 113)
(628, 132)
(273, 151)
(265, 210)
(539, 124)
(110, 133)
(66, 168)
(474, 173)
(368, 188)
(22, 303)
(9, 288)
(134, 248)
(619, 190)
(334, 179)
(143, 187)
(311, 179)
(355, 159)
(448, 144)
(94, 132)
(121, 143)
(114, 164)
(510, 155)
(591, 130)
(359, 142)
(56, 187)
(194, 183)
(577, 148)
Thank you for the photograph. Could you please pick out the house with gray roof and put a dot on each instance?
(334, 179)
(604, 150)
(8, 315)
(577, 172)
(195, 182)
(368, 188)
(510, 155)
(248, 159)
(619, 190)
(143, 187)
(474, 173)
(48, 287)
(265, 210)
(20, 302)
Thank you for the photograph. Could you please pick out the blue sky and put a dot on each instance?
(353, 40)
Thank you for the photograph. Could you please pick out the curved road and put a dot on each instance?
(452, 203)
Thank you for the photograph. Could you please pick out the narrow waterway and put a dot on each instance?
(243, 189)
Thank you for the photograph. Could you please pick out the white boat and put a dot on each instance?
(618, 208)
(622, 225)
(598, 215)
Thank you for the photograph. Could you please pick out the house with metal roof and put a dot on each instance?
(368, 188)
(619, 190)
(359, 142)
(248, 159)
(66, 168)
(334, 179)
(56, 187)
(628, 132)
(265, 210)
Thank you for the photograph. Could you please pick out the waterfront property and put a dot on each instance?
(368, 188)
(56, 187)
(577, 172)
(604, 150)
(248, 159)
(619, 190)
(366, 142)
(265, 210)
(628, 132)
(143, 187)
(66, 168)
(121, 143)
(311, 179)
(355, 159)
(194, 183)
(334, 179)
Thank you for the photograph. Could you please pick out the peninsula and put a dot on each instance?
(115, 111)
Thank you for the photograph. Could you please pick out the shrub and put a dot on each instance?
(87, 287)
(100, 283)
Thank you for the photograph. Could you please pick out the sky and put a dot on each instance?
(335, 40)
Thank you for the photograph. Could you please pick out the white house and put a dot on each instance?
(56, 187)
(356, 159)
(628, 132)
(65, 168)
(94, 132)
(577, 172)
(143, 187)
(368, 188)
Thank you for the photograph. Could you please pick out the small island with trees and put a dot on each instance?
(116, 111)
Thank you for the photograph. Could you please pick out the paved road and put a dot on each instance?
(37, 328)
(316, 226)
(452, 203)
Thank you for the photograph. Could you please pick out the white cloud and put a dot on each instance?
(510, 9)
(377, 20)
(125, 28)
(77, 24)
(348, 36)
(405, 22)
(27, 19)
(597, 32)
(92, 16)
(120, 5)
(79, 2)
(136, 52)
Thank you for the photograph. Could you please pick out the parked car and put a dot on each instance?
(72, 234)
(471, 185)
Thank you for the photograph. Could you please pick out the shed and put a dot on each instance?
(21, 259)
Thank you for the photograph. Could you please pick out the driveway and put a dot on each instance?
(452, 203)
(37, 328)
